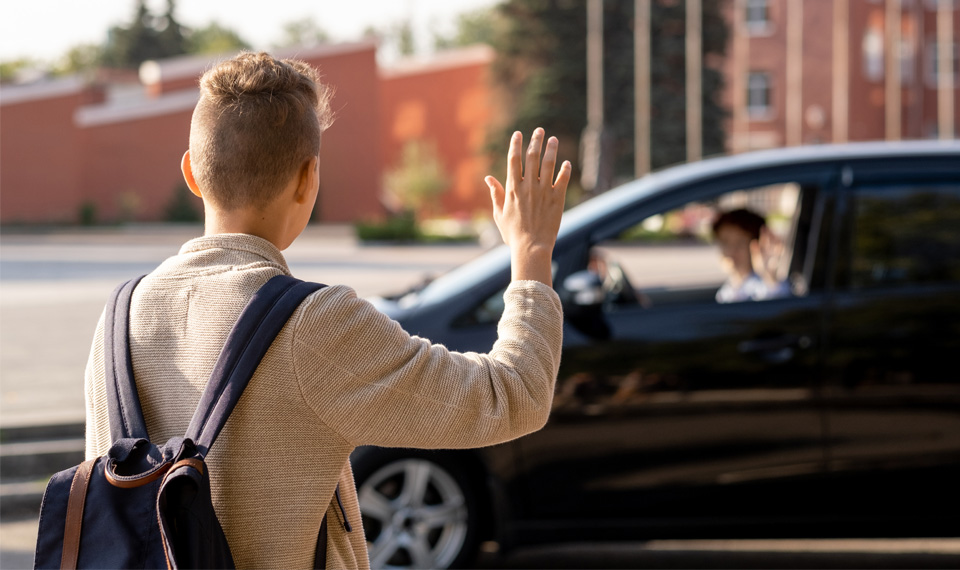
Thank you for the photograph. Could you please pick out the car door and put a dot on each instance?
(893, 390)
(676, 414)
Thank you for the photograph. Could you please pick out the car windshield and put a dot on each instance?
(456, 280)
(497, 259)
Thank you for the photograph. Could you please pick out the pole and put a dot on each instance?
(641, 87)
(741, 64)
(892, 98)
(794, 72)
(945, 79)
(694, 88)
(841, 71)
(591, 141)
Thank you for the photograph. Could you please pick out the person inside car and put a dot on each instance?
(750, 257)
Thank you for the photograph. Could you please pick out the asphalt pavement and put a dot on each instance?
(53, 285)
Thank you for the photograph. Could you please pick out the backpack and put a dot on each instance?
(148, 506)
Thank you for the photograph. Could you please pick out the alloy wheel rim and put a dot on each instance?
(414, 514)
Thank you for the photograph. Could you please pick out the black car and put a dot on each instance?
(832, 411)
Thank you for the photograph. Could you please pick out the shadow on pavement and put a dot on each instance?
(638, 556)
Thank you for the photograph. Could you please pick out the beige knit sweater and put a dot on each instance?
(339, 375)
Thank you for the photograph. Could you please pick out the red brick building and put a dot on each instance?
(801, 72)
(111, 147)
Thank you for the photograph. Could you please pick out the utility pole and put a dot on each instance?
(945, 78)
(741, 63)
(591, 142)
(694, 88)
(794, 111)
(892, 97)
(641, 87)
(841, 71)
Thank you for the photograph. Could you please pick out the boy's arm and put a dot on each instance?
(377, 385)
(373, 383)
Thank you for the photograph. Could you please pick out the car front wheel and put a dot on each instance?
(418, 510)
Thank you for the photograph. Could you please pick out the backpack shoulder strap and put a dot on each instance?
(123, 401)
(259, 323)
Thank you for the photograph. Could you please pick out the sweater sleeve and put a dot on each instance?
(97, 430)
(369, 380)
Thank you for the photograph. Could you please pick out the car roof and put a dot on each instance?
(687, 173)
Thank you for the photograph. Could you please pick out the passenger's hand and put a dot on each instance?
(765, 254)
(528, 208)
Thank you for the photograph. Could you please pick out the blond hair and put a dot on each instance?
(258, 120)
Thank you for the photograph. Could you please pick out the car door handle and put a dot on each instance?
(775, 350)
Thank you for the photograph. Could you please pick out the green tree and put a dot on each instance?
(403, 34)
(81, 58)
(476, 27)
(214, 38)
(302, 32)
(415, 184)
(541, 70)
(10, 70)
(146, 37)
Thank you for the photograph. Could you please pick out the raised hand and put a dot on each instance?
(527, 209)
(765, 254)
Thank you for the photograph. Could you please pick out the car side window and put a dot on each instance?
(905, 234)
(736, 247)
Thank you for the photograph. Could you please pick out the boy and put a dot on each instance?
(340, 374)
(750, 255)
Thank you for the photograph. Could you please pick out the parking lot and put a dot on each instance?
(52, 289)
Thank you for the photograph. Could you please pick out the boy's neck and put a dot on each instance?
(256, 223)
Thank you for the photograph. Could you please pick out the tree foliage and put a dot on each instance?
(302, 32)
(476, 27)
(81, 58)
(147, 37)
(214, 38)
(419, 179)
(541, 72)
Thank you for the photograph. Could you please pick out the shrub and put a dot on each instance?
(182, 206)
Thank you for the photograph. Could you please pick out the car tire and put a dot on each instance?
(419, 508)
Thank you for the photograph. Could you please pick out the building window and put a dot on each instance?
(873, 49)
(935, 4)
(758, 16)
(933, 64)
(758, 95)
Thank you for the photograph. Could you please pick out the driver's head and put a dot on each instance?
(734, 231)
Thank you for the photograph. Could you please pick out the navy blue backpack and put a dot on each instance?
(148, 506)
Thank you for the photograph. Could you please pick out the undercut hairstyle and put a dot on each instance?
(742, 218)
(258, 120)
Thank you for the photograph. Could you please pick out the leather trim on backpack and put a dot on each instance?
(189, 462)
(135, 481)
(74, 522)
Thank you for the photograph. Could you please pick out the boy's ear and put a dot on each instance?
(187, 169)
(309, 180)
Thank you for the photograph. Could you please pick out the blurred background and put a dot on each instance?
(427, 93)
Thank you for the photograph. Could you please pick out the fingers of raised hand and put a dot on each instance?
(549, 162)
(515, 159)
(497, 194)
(531, 171)
(563, 177)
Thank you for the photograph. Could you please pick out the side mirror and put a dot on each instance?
(584, 289)
(583, 297)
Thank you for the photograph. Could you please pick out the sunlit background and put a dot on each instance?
(427, 92)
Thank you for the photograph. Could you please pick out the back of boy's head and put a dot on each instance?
(742, 218)
(258, 120)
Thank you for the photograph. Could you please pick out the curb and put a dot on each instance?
(29, 455)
